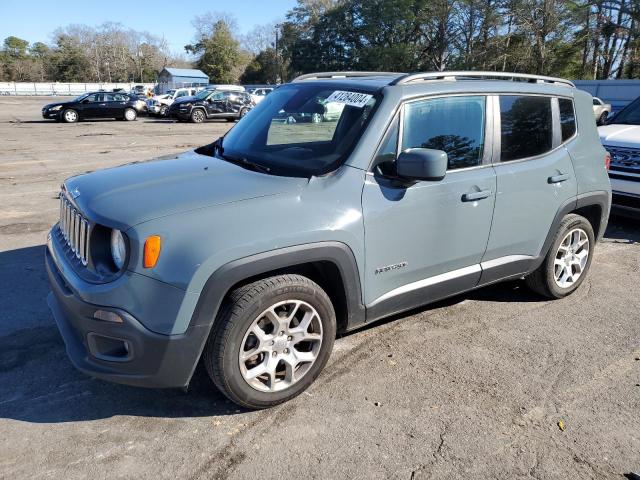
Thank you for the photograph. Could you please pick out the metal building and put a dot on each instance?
(181, 77)
(616, 92)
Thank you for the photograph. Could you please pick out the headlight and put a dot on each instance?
(118, 248)
(57, 107)
(185, 105)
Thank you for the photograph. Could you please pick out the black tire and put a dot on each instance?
(603, 118)
(70, 116)
(542, 280)
(130, 114)
(164, 110)
(237, 314)
(198, 115)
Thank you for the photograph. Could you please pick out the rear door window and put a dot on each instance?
(567, 118)
(452, 124)
(526, 126)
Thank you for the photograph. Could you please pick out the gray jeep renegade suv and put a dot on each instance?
(340, 199)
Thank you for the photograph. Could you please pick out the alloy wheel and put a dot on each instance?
(198, 116)
(571, 258)
(70, 116)
(129, 115)
(280, 346)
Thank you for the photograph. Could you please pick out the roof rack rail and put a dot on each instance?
(329, 75)
(455, 75)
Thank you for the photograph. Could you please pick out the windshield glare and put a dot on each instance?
(630, 114)
(203, 94)
(301, 129)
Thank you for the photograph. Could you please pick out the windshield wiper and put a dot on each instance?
(242, 161)
(245, 162)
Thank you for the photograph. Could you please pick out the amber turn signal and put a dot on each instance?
(151, 251)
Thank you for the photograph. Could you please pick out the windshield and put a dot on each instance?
(629, 114)
(301, 130)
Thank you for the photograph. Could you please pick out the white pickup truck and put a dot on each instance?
(621, 138)
(159, 105)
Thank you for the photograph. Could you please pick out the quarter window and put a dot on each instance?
(452, 124)
(527, 126)
(386, 156)
(567, 118)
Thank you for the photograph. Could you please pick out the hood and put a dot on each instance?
(185, 100)
(49, 105)
(619, 135)
(125, 196)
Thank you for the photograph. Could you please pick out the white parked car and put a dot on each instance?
(621, 138)
(259, 93)
(159, 105)
(601, 110)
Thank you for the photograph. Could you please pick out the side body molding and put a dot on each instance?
(224, 278)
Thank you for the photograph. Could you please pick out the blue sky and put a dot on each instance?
(35, 20)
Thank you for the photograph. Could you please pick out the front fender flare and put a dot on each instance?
(224, 278)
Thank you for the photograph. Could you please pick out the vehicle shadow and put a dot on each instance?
(623, 230)
(39, 384)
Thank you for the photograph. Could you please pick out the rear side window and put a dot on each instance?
(567, 118)
(452, 124)
(527, 126)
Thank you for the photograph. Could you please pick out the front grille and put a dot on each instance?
(75, 229)
(624, 160)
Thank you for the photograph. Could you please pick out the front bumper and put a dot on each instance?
(51, 114)
(180, 114)
(124, 352)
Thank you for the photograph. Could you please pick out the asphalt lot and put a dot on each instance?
(470, 388)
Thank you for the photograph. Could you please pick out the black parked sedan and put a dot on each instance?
(228, 104)
(96, 105)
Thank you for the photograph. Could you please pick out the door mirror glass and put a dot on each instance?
(422, 164)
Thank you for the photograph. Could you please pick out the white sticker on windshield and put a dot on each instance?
(353, 99)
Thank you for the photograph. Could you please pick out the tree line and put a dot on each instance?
(79, 53)
(587, 39)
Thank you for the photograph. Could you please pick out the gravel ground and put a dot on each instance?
(474, 387)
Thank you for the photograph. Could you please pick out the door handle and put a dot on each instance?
(558, 178)
(473, 196)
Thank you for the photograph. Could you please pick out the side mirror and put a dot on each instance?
(422, 164)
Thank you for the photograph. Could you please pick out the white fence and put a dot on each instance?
(29, 88)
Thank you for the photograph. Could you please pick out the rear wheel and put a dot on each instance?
(270, 340)
(197, 116)
(70, 116)
(603, 118)
(567, 263)
(130, 115)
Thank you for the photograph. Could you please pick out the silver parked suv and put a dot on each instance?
(251, 253)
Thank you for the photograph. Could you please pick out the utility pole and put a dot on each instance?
(277, 58)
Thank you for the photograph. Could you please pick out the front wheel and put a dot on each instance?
(270, 341)
(567, 263)
(70, 116)
(164, 110)
(197, 116)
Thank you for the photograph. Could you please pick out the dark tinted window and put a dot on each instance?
(452, 124)
(567, 118)
(526, 126)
